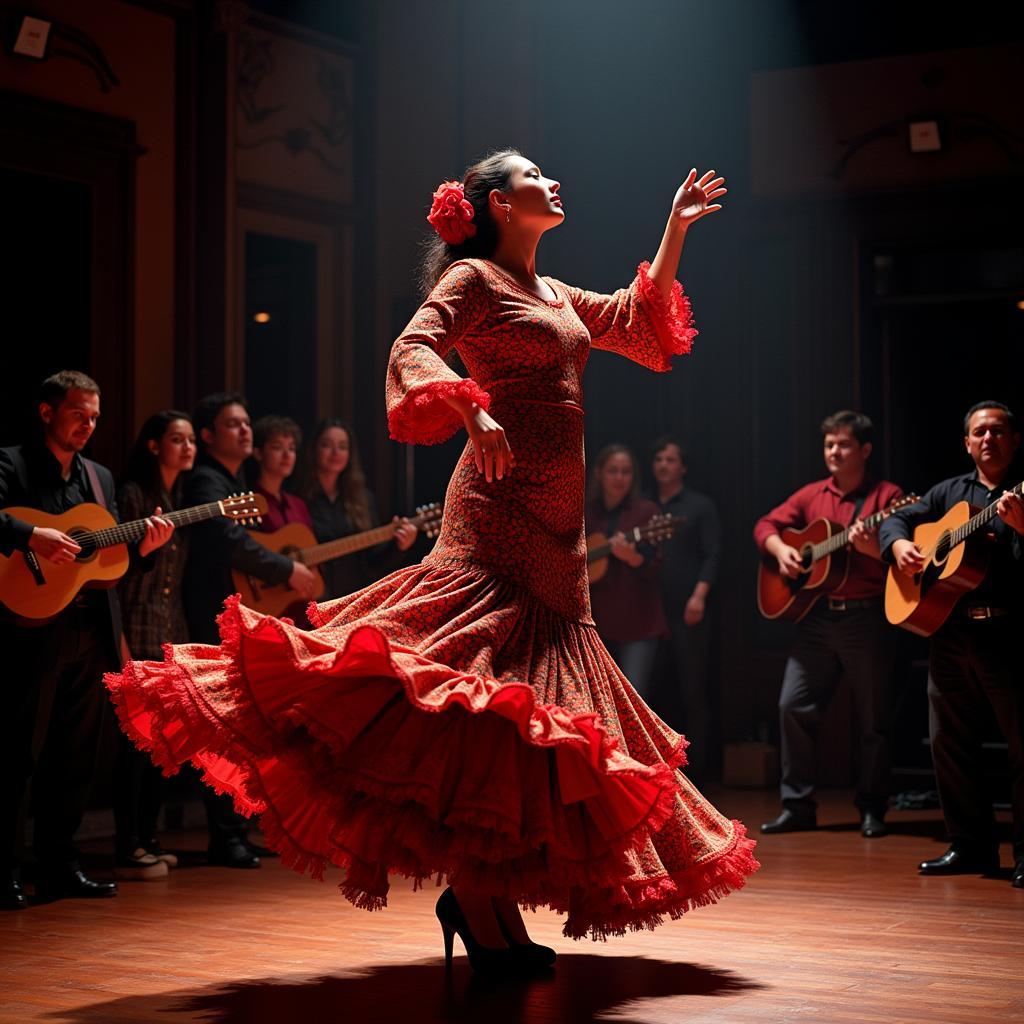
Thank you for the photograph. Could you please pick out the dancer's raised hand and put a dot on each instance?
(696, 197)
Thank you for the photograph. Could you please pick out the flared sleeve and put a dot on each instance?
(638, 322)
(419, 380)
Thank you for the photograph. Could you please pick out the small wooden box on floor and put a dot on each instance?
(753, 765)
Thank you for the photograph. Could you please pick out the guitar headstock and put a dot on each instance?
(428, 519)
(907, 499)
(660, 527)
(246, 508)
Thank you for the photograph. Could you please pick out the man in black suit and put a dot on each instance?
(217, 547)
(974, 669)
(54, 698)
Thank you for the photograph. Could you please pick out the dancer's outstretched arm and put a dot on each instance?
(694, 199)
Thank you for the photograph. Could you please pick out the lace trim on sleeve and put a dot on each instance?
(424, 417)
(672, 318)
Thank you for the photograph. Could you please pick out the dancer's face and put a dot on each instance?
(616, 478)
(176, 450)
(332, 451)
(531, 200)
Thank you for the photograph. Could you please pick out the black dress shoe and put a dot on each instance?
(12, 896)
(791, 821)
(260, 851)
(960, 860)
(232, 855)
(1017, 878)
(72, 884)
(872, 826)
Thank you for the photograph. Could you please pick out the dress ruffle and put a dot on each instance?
(425, 417)
(362, 752)
(672, 318)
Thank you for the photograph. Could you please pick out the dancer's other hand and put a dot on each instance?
(491, 451)
(696, 197)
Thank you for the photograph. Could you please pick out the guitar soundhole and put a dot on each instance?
(942, 549)
(806, 558)
(88, 548)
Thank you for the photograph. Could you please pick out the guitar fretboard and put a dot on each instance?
(128, 533)
(986, 515)
(346, 545)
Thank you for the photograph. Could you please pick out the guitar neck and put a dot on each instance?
(346, 545)
(986, 515)
(839, 540)
(128, 533)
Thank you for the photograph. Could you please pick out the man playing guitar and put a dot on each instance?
(974, 657)
(845, 633)
(55, 701)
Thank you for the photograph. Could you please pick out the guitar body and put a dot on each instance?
(35, 590)
(781, 598)
(923, 602)
(597, 568)
(271, 598)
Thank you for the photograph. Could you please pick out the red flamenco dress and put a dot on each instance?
(461, 718)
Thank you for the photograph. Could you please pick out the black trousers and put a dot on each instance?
(975, 672)
(138, 795)
(690, 647)
(50, 733)
(858, 644)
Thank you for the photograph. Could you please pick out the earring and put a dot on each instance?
(508, 214)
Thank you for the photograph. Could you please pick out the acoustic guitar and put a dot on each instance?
(823, 547)
(956, 559)
(599, 547)
(36, 591)
(297, 542)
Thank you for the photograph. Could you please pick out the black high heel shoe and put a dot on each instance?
(531, 955)
(453, 922)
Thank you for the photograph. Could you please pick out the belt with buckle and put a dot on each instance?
(846, 604)
(984, 611)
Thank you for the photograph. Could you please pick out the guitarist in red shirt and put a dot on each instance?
(844, 633)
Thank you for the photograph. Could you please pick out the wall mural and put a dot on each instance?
(295, 116)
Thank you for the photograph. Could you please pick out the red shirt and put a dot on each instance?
(824, 500)
(626, 602)
(281, 511)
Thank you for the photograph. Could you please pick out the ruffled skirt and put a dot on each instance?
(444, 723)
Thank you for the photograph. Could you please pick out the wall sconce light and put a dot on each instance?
(31, 37)
(261, 318)
(924, 137)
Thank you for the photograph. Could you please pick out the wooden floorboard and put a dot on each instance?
(834, 928)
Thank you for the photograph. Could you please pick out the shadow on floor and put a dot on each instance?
(582, 989)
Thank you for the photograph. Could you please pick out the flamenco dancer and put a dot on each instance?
(461, 718)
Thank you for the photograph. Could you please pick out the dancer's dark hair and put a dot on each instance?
(494, 171)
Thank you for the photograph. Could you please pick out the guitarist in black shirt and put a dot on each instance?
(55, 701)
(974, 660)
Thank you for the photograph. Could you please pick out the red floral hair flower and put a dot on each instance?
(451, 214)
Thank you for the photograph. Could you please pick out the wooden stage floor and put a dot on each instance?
(833, 928)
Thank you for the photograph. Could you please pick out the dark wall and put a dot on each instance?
(618, 102)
